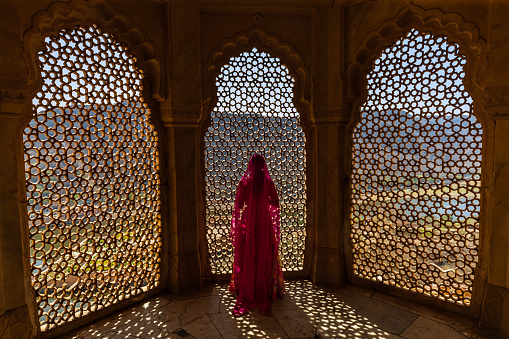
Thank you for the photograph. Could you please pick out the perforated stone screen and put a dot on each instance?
(255, 114)
(416, 172)
(92, 165)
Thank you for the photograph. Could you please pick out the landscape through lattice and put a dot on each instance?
(92, 176)
(255, 114)
(416, 172)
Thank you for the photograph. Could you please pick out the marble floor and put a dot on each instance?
(306, 311)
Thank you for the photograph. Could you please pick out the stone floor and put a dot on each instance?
(306, 311)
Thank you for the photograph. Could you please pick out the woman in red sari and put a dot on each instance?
(257, 277)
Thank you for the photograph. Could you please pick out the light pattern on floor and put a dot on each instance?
(306, 311)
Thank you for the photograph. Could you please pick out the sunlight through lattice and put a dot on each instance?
(91, 160)
(416, 172)
(255, 114)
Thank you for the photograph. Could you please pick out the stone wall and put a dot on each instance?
(327, 46)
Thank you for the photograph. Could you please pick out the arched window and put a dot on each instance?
(92, 174)
(416, 172)
(255, 114)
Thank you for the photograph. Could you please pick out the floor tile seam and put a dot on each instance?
(436, 322)
(399, 334)
(442, 319)
(168, 301)
(346, 329)
(455, 330)
(281, 326)
(402, 309)
(180, 316)
(189, 305)
(477, 331)
(192, 298)
(445, 320)
(218, 331)
(365, 320)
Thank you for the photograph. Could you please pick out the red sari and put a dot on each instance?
(257, 277)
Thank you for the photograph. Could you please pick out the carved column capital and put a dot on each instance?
(12, 101)
(329, 116)
(497, 101)
(180, 114)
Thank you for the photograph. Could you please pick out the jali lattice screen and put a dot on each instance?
(255, 114)
(416, 172)
(92, 167)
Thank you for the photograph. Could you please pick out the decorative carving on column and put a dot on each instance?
(327, 116)
(175, 114)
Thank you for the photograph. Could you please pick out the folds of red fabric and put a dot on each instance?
(255, 234)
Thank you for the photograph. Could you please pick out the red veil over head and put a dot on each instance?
(255, 233)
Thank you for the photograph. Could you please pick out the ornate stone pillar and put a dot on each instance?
(180, 116)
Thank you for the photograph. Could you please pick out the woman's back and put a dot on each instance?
(255, 234)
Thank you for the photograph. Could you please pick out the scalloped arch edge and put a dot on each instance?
(67, 15)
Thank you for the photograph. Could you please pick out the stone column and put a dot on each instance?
(329, 267)
(14, 314)
(495, 308)
(180, 115)
(330, 260)
(184, 258)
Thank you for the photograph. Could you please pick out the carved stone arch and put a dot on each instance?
(59, 16)
(302, 100)
(452, 25)
(267, 42)
(67, 15)
(466, 35)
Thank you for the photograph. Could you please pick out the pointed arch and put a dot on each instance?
(141, 53)
(243, 42)
(466, 36)
(436, 22)
(264, 41)
(67, 15)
